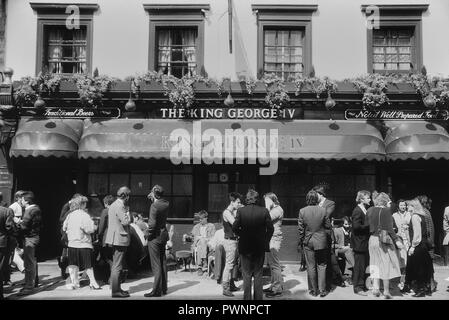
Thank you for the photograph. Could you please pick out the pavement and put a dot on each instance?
(186, 285)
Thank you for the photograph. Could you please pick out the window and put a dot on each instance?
(177, 39)
(177, 51)
(396, 46)
(62, 49)
(283, 52)
(284, 39)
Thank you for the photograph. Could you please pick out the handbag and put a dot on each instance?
(384, 237)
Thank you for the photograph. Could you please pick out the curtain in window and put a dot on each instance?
(54, 51)
(189, 37)
(79, 50)
(164, 51)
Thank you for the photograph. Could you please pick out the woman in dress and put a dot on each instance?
(276, 214)
(419, 270)
(384, 260)
(79, 227)
(402, 220)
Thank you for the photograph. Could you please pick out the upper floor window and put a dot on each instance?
(284, 39)
(283, 52)
(177, 39)
(395, 45)
(62, 48)
(177, 54)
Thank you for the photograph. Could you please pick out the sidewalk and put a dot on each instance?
(185, 285)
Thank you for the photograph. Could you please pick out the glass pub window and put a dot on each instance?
(65, 49)
(177, 51)
(392, 50)
(283, 52)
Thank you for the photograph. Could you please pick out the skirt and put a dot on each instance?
(80, 257)
(419, 265)
(383, 260)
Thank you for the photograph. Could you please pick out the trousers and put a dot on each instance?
(316, 268)
(252, 266)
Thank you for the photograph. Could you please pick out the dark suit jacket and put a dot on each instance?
(103, 226)
(254, 227)
(314, 226)
(329, 205)
(6, 225)
(360, 231)
(157, 221)
(31, 223)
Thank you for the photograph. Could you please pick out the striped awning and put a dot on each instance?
(416, 140)
(47, 138)
(299, 139)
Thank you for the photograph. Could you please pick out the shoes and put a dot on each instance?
(342, 284)
(152, 294)
(218, 281)
(273, 294)
(120, 295)
(361, 293)
(405, 289)
(228, 293)
(7, 283)
(313, 293)
(387, 296)
(233, 288)
(124, 292)
(200, 272)
(302, 268)
(429, 292)
(268, 290)
(376, 293)
(94, 288)
(324, 293)
(419, 294)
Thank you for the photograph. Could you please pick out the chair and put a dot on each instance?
(210, 262)
(184, 256)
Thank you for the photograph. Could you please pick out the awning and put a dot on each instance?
(299, 139)
(416, 140)
(47, 137)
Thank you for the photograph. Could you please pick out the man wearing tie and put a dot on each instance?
(117, 236)
(359, 242)
(157, 236)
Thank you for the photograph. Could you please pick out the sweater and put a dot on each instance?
(79, 227)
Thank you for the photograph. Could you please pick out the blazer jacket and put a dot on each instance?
(157, 220)
(6, 225)
(360, 231)
(314, 226)
(329, 205)
(31, 223)
(254, 227)
(118, 224)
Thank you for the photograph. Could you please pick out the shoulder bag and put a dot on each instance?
(384, 237)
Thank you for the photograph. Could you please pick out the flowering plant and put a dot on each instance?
(374, 88)
(92, 89)
(434, 91)
(276, 97)
(32, 87)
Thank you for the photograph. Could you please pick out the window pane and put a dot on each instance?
(218, 197)
(396, 44)
(117, 180)
(140, 184)
(182, 184)
(181, 207)
(98, 183)
(270, 36)
(404, 66)
(139, 205)
(164, 180)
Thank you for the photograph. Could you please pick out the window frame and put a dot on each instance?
(293, 17)
(398, 16)
(176, 16)
(49, 14)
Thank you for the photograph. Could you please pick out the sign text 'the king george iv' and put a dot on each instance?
(228, 113)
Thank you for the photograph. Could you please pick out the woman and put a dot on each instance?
(419, 268)
(384, 260)
(276, 214)
(313, 225)
(79, 228)
(402, 220)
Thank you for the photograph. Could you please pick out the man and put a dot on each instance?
(216, 246)
(359, 242)
(157, 236)
(202, 232)
(6, 229)
(230, 243)
(117, 236)
(329, 205)
(254, 227)
(30, 227)
(342, 244)
(105, 250)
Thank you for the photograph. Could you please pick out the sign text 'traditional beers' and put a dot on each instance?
(228, 113)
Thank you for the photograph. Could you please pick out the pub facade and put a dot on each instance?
(97, 95)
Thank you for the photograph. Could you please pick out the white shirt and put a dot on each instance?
(362, 206)
(17, 208)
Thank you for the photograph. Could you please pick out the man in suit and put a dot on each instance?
(254, 227)
(359, 242)
(6, 229)
(117, 236)
(157, 236)
(313, 226)
(30, 227)
(327, 204)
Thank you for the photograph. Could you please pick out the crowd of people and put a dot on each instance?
(370, 245)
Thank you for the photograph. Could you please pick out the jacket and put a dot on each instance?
(103, 226)
(210, 231)
(31, 223)
(118, 224)
(360, 231)
(254, 227)
(339, 238)
(381, 219)
(157, 220)
(329, 205)
(6, 225)
(79, 227)
(314, 226)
